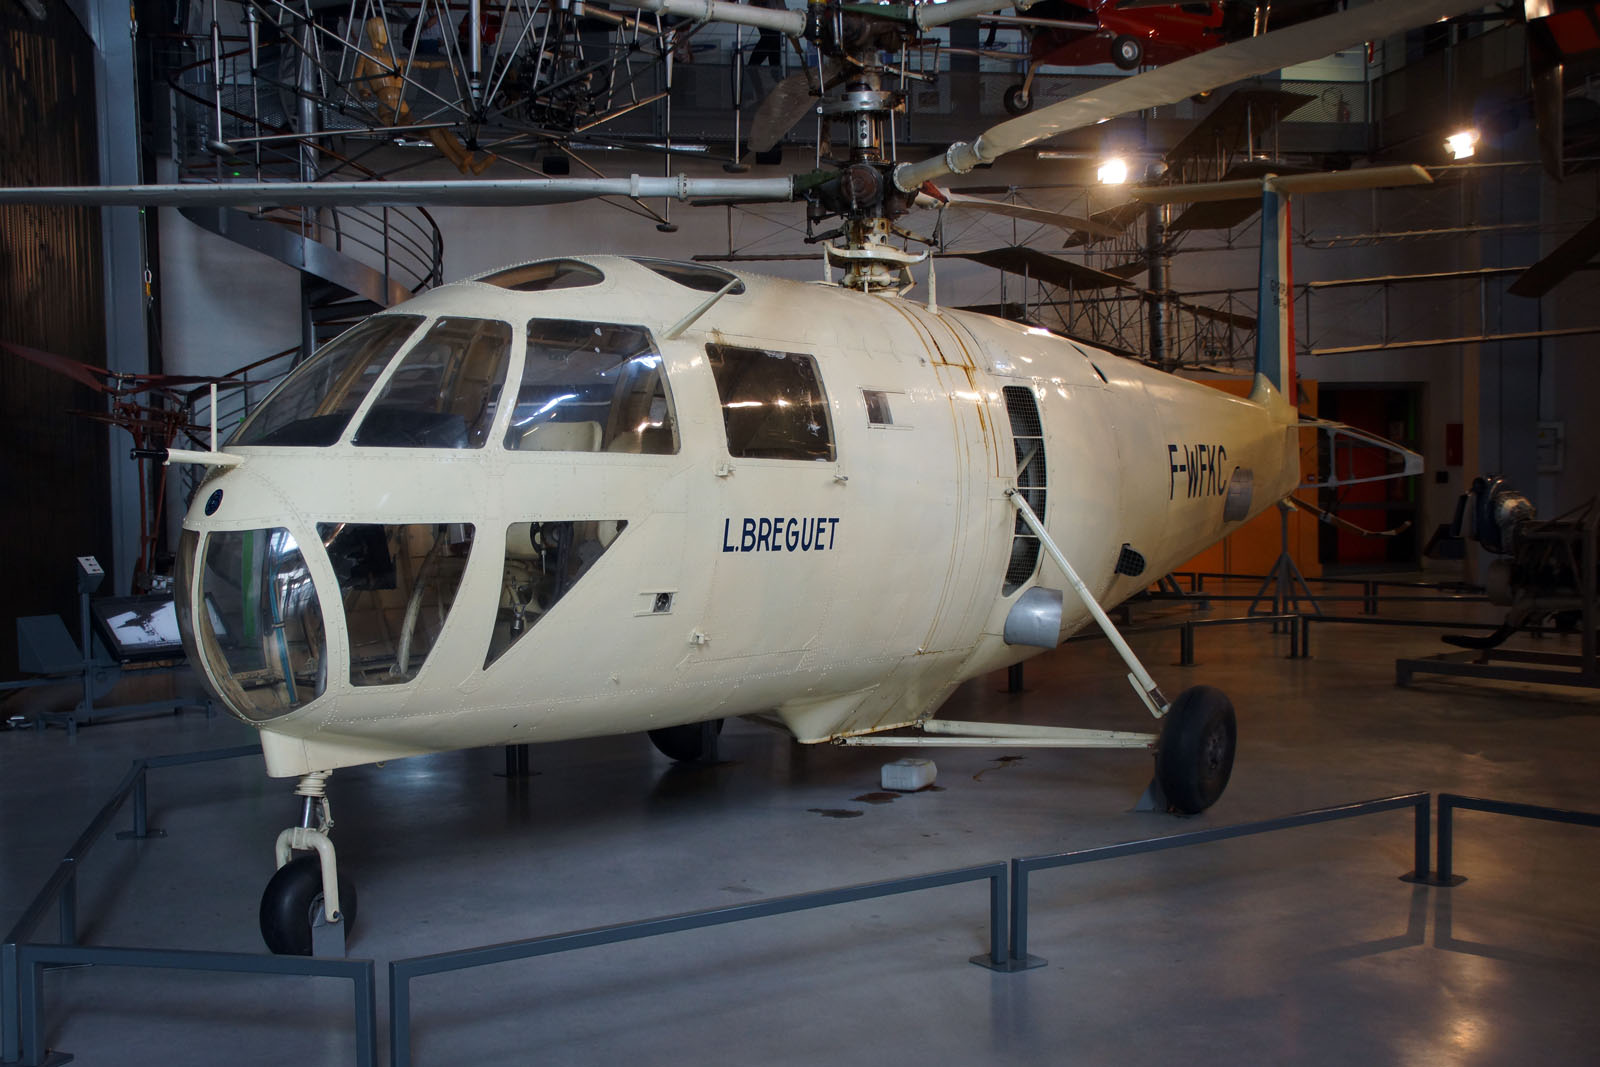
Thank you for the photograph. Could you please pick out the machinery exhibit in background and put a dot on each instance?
(561, 499)
(1545, 570)
(1546, 575)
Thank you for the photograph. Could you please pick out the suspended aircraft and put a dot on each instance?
(1136, 33)
(594, 495)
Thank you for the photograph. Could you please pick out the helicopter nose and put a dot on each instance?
(251, 618)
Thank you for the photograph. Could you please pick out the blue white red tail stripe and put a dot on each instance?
(1275, 298)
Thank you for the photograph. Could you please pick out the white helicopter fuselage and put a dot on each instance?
(843, 595)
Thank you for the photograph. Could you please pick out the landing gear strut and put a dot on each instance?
(308, 901)
(1194, 751)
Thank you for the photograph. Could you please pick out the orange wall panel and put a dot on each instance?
(1253, 548)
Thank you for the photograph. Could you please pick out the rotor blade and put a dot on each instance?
(788, 23)
(1175, 81)
(790, 101)
(1553, 269)
(78, 371)
(512, 192)
(1070, 223)
(1327, 181)
(1032, 263)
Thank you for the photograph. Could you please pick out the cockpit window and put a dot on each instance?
(696, 276)
(592, 387)
(773, 406)
(444, 393)
(545, 275)
(260, 632)
(397, 585)
(314, 404)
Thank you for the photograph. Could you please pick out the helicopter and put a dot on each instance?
(593, 495)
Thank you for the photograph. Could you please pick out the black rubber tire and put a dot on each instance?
(1194, 757)
(290, 901)
(686, 743)
(1126, 52)
(1016, 101)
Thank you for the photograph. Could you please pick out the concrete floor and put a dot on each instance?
(1300, 946)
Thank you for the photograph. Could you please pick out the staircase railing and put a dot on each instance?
(214, 107)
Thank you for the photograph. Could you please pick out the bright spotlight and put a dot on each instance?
(1462, 145)
(1112, 172)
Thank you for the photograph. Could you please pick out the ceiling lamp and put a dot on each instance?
(1463, 144)
(1113, 171)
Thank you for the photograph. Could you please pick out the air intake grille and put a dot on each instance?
(1028, 437)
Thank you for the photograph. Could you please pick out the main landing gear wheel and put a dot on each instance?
(1017, 100)
(689, 743)
(1194, 755)
(1126, 52)
(292, 902)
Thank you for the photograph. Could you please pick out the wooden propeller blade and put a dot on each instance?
(1570, 255)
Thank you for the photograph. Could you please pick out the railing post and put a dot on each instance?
(1018, 949)
(140, 819)
(1186, 645)
(67, 907)
(1446, 865)
(10, 1050)
(1419, 857)
(141, 810)
(399, 1017)
(998, 930)
(366, 1009)
(29, 993)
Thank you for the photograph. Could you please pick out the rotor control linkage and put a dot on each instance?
(1138, 677)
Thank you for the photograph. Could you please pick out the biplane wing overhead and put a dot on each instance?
(1569, 256)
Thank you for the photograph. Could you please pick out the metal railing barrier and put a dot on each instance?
(1444, 873)
(22, 963)
(32, 960)
(1017, 957)
(402, 972)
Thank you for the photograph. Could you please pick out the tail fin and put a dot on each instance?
(1275, 313)
(1275, 298)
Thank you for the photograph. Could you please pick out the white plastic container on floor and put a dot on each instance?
(909, 775)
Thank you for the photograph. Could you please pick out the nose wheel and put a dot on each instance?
(308, 908)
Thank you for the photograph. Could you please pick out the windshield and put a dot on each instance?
(445, 391)
(314, 404)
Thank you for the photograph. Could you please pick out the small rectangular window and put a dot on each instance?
(773, 405)
(878, 413)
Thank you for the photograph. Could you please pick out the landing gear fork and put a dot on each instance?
(316, 821)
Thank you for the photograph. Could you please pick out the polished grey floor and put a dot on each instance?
(1301, 946)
